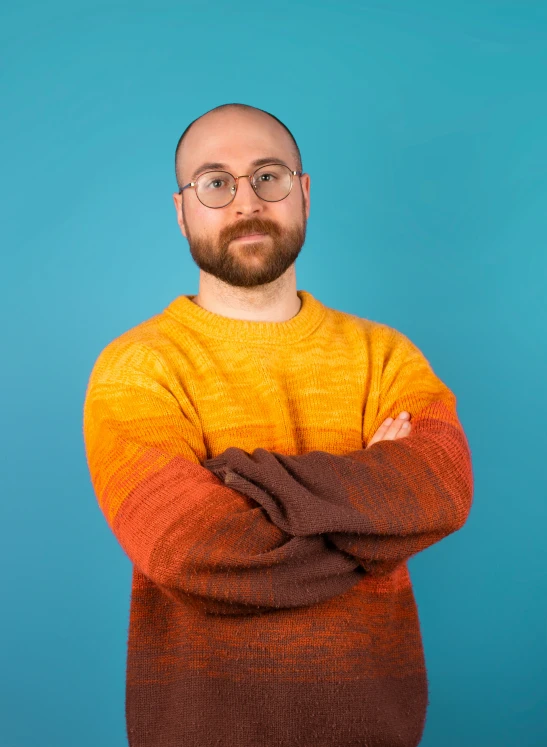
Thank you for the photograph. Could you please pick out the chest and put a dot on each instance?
(285, 402)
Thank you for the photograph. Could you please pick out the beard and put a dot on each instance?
(247, 264)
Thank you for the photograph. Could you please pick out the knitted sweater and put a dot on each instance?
(271, 602)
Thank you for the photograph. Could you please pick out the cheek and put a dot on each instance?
(290, 214)
(205, 221)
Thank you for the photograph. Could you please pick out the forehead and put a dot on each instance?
(236, 141)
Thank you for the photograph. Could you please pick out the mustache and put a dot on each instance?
(256, 225)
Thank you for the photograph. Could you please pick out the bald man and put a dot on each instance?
(251, 450)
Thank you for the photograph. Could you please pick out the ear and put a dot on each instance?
(305, 181)
(177, 199)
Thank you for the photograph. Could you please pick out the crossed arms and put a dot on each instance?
(247, 533)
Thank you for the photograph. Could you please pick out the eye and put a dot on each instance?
(273, 176)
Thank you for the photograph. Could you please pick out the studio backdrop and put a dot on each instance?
(423, 127)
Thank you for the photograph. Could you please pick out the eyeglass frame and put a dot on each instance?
(236, 178)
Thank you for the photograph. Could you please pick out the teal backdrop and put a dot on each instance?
(423, 127)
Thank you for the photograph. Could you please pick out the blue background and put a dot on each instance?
(424, 128)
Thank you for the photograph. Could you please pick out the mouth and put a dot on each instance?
(250, 237)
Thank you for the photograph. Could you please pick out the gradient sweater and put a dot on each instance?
(271, 602)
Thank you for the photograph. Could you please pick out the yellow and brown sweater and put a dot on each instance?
(271, 601)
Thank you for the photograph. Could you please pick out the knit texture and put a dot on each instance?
(271, 602)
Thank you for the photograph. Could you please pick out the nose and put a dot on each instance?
(246, 201)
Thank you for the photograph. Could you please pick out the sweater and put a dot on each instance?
(271, 601)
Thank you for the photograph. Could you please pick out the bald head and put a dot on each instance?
(223, 130)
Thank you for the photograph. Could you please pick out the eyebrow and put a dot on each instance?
(214, 165)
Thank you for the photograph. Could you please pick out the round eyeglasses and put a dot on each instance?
(216, 189)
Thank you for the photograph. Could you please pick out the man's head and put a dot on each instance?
(235, 135)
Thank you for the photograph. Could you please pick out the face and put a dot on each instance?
(236, 139)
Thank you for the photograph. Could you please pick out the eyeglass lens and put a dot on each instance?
(217, 188)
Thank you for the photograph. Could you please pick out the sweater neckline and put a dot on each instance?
(210, 324)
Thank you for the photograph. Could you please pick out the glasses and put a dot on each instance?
(216, 189)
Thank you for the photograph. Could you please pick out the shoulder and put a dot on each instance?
(380, 334)
(141, 348)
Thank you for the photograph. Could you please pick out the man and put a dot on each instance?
(241, 448)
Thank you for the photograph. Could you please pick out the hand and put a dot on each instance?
(392, 429)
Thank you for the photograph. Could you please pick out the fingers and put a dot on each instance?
(392, 429)
(399, 426)
(402, 424)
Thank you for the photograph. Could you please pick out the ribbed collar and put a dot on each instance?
(209, 324)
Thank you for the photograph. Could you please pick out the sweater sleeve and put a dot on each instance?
(200, 541)
(383, 504)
